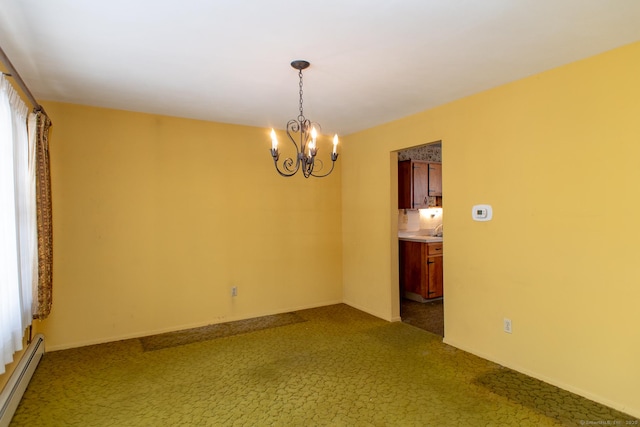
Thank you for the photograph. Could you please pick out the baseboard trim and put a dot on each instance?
(14, 389)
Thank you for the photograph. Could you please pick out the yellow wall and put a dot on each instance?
(155, 218)
(557, 155)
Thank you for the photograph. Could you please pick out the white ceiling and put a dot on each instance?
(372, 61)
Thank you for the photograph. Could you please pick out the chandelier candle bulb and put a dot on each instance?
(274, 140)
(335, 143)
(312, 144)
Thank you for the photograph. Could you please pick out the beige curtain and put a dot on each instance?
(43, 296)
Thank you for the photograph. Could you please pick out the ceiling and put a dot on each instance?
(372, 61)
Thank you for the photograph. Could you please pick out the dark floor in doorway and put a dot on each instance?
(428, 315)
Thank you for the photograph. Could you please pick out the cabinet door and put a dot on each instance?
(434, 272)
(414, 186)
(420, 176)
(411, 271)
(405, 190)
(435, 179)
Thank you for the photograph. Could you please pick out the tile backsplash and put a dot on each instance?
(419, 220)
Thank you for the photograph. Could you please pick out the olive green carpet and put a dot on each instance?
(337, 367)
(190, 336)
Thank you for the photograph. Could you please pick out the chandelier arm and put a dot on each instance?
(334, 157)
(308, 164)
(299, 127)
(286, 164)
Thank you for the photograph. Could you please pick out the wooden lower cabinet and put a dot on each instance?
(421, 269)
(434, 271)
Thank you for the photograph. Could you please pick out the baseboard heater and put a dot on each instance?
(17, 384)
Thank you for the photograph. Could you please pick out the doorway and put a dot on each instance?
(424, 313)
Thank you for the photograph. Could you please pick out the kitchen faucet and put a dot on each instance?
(436, 232)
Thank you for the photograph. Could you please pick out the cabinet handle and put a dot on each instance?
(438, 249)
(431, 262)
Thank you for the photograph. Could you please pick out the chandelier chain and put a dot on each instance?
(301, 116)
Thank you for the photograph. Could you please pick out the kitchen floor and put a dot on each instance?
(428, 315)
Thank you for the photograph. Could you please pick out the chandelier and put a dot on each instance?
(302, 133)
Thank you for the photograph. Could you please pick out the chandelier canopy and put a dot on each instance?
(302, 133)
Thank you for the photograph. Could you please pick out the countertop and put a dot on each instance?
(415, 236)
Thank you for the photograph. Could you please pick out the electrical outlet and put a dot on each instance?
(234, 291)
(507, 325)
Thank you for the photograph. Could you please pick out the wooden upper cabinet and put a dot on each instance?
(435, 179)
(417, 180)
(420, 185)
